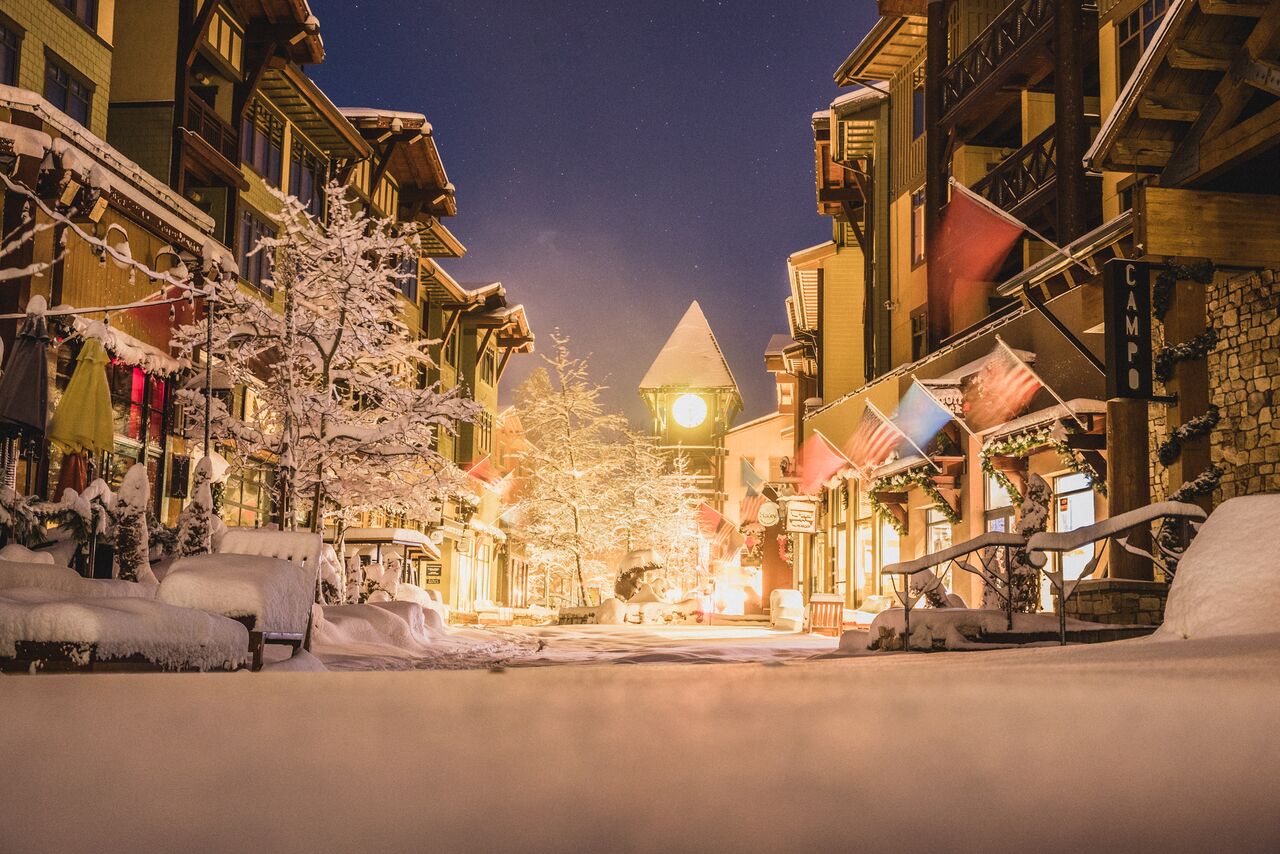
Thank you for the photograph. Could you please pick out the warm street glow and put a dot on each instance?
(689, 410)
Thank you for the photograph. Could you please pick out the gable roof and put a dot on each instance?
(691, 358)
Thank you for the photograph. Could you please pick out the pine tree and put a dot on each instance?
(196, 520)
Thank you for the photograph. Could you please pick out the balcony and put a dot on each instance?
(1014, 51)
(1024, 181)
(202, 121)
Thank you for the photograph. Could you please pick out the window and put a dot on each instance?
(489, 366)
(917, 103)
(246, 497)
(451, 349)
(67, 90)
(919, 333)
(1072, 509)
(890, 552)
(262, 142)
(255, 267)
(999, 507)
(10, 41)
(917, 227)
(386, 196)
(227, 39)
(306, 179)
(1135, 32)
(407, 283)
(484, 433)
(137, 403)
(84, 11)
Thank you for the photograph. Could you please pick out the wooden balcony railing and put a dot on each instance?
(1020, 24)
(212, 128)
(1017, 179)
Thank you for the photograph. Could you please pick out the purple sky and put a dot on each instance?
(615, 160)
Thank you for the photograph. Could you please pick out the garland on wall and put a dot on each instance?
(1197, 348)
(1171, 448)
(905, 480)
(1162, 293)
(1022, 444)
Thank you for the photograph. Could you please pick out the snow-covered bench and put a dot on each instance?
(55, 630)
(265, 579)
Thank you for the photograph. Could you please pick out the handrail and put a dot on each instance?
(1016, 25)
(982, 541)
(1068, 541)
(204, 122)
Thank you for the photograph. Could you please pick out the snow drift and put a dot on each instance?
(1228, 582)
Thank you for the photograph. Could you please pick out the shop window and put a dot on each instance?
(1135, 31)
(137, 402)
(937, 537)
(262, 142)
(306, 179)
(245, 498)
(451, 349)
(484, 433)
(67, 90)
(10, 44)
(917, 227)
(84, 11)
(890, 552)
(255, 267)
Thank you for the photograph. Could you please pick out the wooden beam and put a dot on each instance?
(380, 168)
(484, 342)
(1234, 8)
(1189, 55)
(847, 207)
(1260, 74)
(1170, 107)
(1199, 163)
(1231, 229)
(1142, 152)
(502, 363)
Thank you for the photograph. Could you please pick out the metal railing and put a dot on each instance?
(1178, 524)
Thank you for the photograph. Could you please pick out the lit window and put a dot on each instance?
(1135, 32)
(917, 227)
(255, 267)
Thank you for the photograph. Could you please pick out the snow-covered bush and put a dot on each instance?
(195, 521)
(133, 545)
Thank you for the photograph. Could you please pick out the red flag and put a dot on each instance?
(999, 391)
(972, 244)
(725, 539)
(484, 471)
(873, 440)
(819, 460)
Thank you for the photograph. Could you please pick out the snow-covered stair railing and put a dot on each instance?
(921, 580)
(1178, 524)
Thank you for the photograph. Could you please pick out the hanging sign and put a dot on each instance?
(948, 393)
(768, 515)
(1126, 303)
(802, 517)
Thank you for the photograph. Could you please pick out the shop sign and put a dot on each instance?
(769, 514)
(1126, 304)
(802, 517)
(948, 393)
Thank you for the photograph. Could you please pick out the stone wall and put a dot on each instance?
(1244, 381)
(1119, 601)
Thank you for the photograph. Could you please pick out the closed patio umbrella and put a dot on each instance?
(24, 387)
(82, 421)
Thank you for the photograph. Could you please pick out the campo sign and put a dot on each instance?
(802, 517)
(1126, 302)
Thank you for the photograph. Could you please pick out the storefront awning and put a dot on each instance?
(1042, 417)
(391, 536)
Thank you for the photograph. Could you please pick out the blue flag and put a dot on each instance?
(920, 416)
(751, 478)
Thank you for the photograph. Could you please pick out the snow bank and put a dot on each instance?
(47, 576)
(1228, 582)
(611, 612)
(22, 554)
(120, 627)
(786, 610)
(954, 628)
(277, 593)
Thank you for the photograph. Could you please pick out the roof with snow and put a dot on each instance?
(691, 358)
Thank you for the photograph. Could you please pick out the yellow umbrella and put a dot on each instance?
(82, 421)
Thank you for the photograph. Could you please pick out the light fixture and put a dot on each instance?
(689, 410)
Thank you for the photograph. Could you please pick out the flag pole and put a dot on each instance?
(956, 418)
(898, 430)
(1010, 218)
(1001, 342)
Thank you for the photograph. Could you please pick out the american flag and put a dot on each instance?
(999, 391)
(487, 474)
(873, 440)
(724, 536)
(749, 506)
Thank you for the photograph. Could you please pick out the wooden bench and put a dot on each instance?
(826, 614)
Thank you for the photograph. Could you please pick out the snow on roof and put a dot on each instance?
(406, 118)
(128, 349)
(1048, 415)
(778, 344)
(861, 95)
(691, 357)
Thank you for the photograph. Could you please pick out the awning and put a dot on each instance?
(1046, 416)
(390, 536)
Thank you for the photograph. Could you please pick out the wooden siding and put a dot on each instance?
(906, 154)
(843, 299)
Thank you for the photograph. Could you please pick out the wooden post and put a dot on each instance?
(935, 180)
(1190, 383)
(1070, 135)
(1128, 481)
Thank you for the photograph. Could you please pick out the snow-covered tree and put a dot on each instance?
(659, 509)
(571, 489)
(1020, 578)
(332, 374)
(196, 520)
(132, 542)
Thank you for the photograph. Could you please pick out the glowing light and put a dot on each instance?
(689, 410)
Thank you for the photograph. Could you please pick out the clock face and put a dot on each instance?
(689, 410)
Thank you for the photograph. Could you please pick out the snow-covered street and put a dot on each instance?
(1130, 746)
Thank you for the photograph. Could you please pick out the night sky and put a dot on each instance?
(615, 160)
